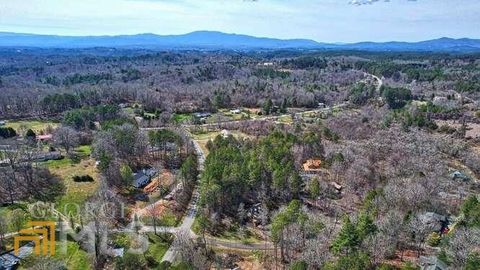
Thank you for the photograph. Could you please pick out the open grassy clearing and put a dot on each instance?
(242, 115)
(35, 125)
(158, 245)
(203, 137)
(182, 117)
(75, 257)
(285, 119)
(76, 192)
(233, 233)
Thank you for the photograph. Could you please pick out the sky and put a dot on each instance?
(339, 21)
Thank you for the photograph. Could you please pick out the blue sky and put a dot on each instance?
(321, 20)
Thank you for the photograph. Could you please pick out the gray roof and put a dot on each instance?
(460, 175)
(143, 177)
(432, 263)
(202, 114)
(9, 260)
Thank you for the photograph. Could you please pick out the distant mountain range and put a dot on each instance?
(211, 40)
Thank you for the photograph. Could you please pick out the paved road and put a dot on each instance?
(189, 218)
(380, 82)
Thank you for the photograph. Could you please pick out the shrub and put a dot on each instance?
(7, 132)
(434, 239)
(396, 98)
(30, 134)
(299, 265)
(83, 178)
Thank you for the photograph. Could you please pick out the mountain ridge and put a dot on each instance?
(219, 40)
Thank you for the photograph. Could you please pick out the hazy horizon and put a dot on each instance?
(241, 34)
(331, 21)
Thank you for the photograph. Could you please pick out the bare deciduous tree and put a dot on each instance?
(66, 137)
(463, 242)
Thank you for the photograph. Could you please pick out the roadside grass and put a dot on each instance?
(231, 234)
(202, 135)
(35, 125)
(158, 245)
(167, 219)
(202, 139)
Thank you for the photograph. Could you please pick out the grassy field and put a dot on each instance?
(233, 233)
(167, 219)
(75, 258)
(203, 138)
(35, 125)
(76, 192)
(158, 245)
(182, 117)
(243, 115)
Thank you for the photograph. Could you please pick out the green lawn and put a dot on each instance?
(182, 117)
(167, 219)
(84, 150)
(75, 258)
(232, 234)
(286, 119)
(76, 192)
(158, 245)
(35, 125)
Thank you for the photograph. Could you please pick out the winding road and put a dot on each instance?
(189, 218)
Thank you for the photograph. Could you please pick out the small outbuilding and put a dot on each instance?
(457, 175)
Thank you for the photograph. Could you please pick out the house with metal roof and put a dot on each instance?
(432, 263)
(143, 177)
(10, 261)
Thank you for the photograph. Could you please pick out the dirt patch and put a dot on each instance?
(473, 129)
(157, 209)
